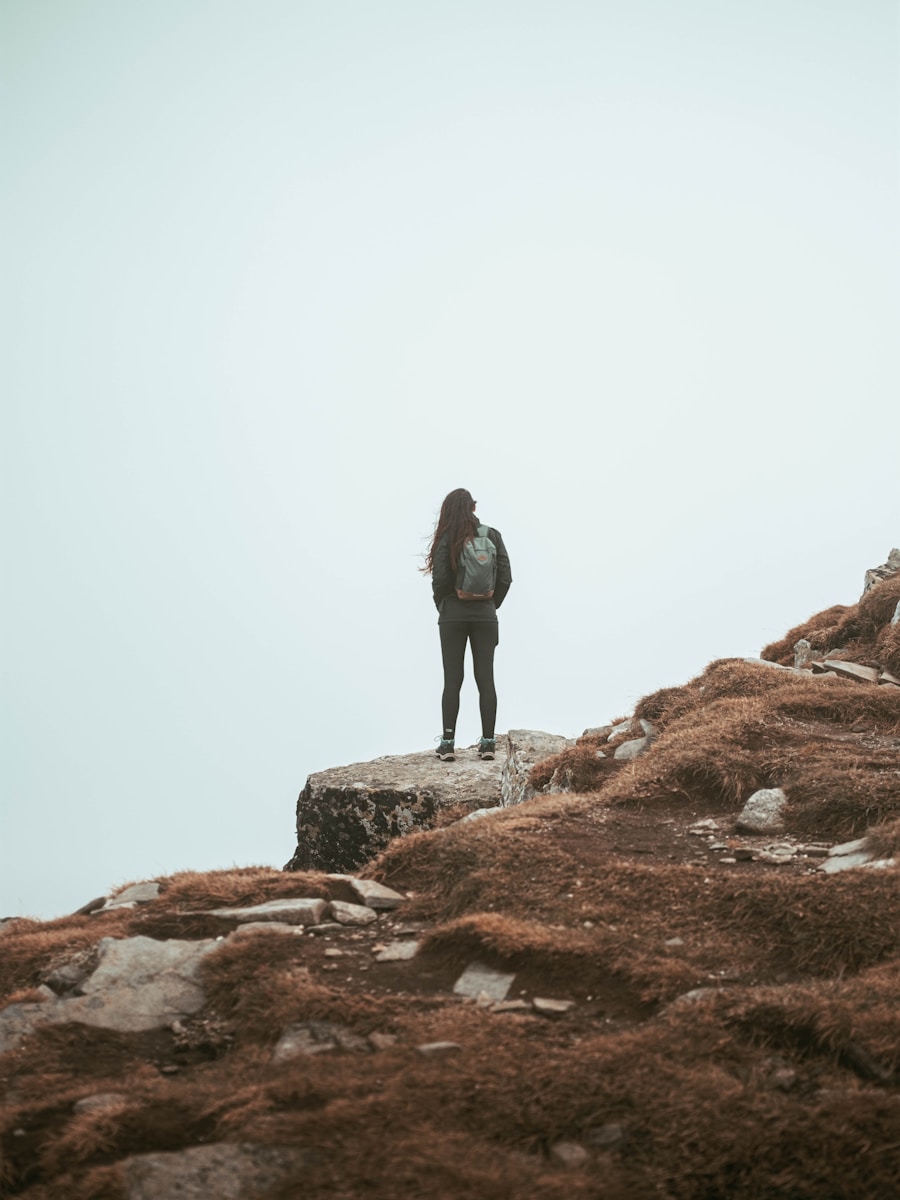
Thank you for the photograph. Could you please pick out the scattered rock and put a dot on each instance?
(622, 727)
(99, 1101)
(607, 1137)
(478, 980)
(382, 1041)
(352, 914)
(849, 670)
(429, 1048)
(551, 1008)
(854, 847)
(307, 911)
(846, 857)
(139, 983)
(707, 825)
(316, 1037)
(632, 749)
(397, 952)
(511, 1006)
(373, 894)
(764, 662)
(569, 1154)
(804, 654)
(265, 927)
(763, 812)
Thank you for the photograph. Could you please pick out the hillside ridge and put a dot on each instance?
(671, 971)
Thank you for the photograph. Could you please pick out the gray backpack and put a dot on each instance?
(476, 573)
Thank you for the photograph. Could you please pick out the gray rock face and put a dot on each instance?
(139, 983)
(525, 748)
(227, 1171)
(763, 812)
(876, 574)
(345, 815)
(804, 653)
(631, 749)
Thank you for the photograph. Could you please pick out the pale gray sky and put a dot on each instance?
(278, 275)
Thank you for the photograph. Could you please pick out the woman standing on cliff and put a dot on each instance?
(470, 577)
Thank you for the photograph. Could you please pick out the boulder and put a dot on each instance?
(763, 812)
(345, 815)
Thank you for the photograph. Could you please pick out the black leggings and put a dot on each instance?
(483, 636)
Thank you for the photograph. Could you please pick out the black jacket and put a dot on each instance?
(443, 585)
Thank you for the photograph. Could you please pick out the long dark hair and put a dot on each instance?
(457, 521)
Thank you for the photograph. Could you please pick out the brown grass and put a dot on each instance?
(779, 1075)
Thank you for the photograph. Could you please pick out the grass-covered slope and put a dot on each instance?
(734, 1031)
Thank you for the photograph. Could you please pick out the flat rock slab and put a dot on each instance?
(477, 980)
(226, 1171)
(845, 862)
(854, 847)
(398, 952)
(290, 912)
(265, 927)
(374, 894)
(850, 670)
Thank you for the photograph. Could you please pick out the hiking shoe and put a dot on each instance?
(445, 751)
(486, 747)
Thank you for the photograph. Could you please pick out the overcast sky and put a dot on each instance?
(279, 275)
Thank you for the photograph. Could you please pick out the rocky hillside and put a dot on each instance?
(662, 961)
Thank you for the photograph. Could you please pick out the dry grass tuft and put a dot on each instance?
(29, 950)
(852, 632)
(718, 1009)
(239, 887)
